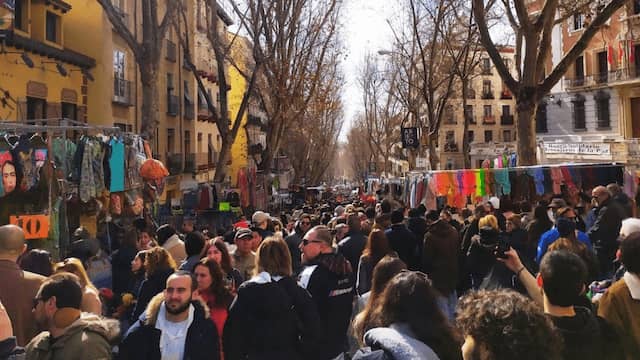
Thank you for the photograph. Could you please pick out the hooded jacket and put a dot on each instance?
(440, 256)
(329, 280)
(88, 337)
(142, 342)
(396, 342)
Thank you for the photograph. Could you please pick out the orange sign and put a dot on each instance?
(34, 226)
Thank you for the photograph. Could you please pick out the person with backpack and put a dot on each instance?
(272, 317)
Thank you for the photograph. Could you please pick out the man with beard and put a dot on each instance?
(173, 326)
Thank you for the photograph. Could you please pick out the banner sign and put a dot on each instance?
(578, 148)
(410, 137)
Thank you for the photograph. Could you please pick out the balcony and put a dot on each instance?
(171, 51)
(578, 82)
(189, 111)
(488, 95)
(506, 120)
(190, 163)
(173, 105)
(122, 92)
(489, 120)
(506, 95)
(174, 163)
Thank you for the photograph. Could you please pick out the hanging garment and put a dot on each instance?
(538, 178)
(548, 181)
(569, 181)
(97, 163)
(480, 185)
(630, 184)
(468, 182)
(116, 165)
(556, 179)
(87, 178)
(430, 197)
(503, 186)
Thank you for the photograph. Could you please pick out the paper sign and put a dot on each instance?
(34, 226)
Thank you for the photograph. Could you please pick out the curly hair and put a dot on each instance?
(509, 325)
(221, 294)
(409, 298)
(158, 259)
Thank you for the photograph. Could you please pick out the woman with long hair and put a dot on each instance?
(216, 250)
(90, 296)
(212, 291)
(272, 317)
(538, 226)
(407, 320)
(384, 271)
(158, 266)
(376, 248)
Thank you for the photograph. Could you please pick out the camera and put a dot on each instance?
(493, 242)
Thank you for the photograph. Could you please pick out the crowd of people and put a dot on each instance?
(339, 281)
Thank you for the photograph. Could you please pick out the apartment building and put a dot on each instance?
(593, 115)
(489, 112)
(40, 75)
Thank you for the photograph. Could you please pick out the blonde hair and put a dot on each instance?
(488, 220)
(273, 257)
(74, 266)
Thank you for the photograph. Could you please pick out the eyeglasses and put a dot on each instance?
(306, 242)
(305, 223)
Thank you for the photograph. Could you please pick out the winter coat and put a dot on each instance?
(620, 306)
(519, 241)
(440, 256)
(142, 342)
(418, 226)
(272, 318)
(586, 336)
(88, 337)
(604, 233)
(625, 204)
(121, 268)
(397, 342)
(404, 243)
(9, 349)
(351, 247)
(293, 243)
(149, 288)
(329, 280)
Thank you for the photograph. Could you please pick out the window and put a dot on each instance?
(118, 64)
(507, 62)
(52, 25)
(199, 144)
(187, 142)
(506, 110)
(468, 114)
(169, 83)
(636, 7)
(486, 86)
(541, 118)
(449, 137)
(69, 111)
(507, 118)
(21, 10)
(488, 114)
(578, 21)
(470, 136)
(486, 66)
(36, 109)
(506, 136)
(579, 117)
(171, 137)
(488, 136)
(602, 109)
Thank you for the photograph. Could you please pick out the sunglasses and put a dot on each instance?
(306, 242)
(305, 223)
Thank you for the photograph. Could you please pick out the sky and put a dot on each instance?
(365, 30)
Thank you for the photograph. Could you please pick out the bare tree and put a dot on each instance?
(533, 48)
(291, 39)
(312, 142)
(228, 51)
(147, 52)
(358, 148)
(382, 109)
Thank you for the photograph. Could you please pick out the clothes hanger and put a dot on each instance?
(37, 141)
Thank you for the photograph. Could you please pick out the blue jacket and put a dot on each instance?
(552, 235)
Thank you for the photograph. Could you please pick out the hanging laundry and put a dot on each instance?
(556, 179)
(503, 186)
(538, 177)
(480, 185)
(568, 180)
(116, 165)
(468, 182)
(87, 179)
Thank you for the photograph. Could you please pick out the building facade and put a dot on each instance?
(489, 113)
(593, 115)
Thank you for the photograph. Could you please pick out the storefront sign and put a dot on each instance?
(578, 148)
(410, 137)
(34, 226)
(224, 206)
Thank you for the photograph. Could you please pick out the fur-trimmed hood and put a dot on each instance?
(150, 315)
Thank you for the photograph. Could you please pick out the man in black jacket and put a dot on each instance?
(328, 277)
(173, 326)
(293, 241)
(604, 231)
(402, 240)
(352, 245)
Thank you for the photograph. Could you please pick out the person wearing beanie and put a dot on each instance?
(169, 239)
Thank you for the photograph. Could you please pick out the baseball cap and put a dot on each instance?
(243, 233)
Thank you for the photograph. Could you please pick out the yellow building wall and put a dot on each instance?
(239, 149)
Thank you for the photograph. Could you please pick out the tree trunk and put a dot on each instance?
(433, 154)
(466, 147)
(525, 124)
(223, 159)
(150, 102)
